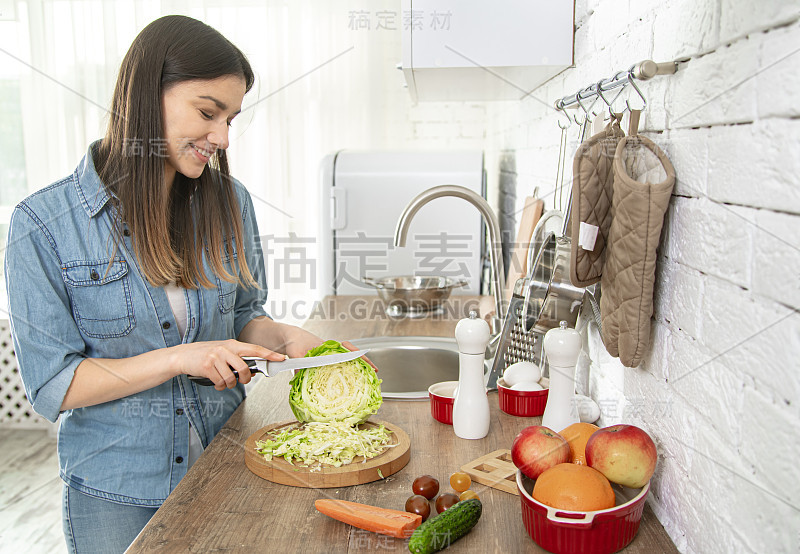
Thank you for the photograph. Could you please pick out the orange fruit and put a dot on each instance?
(577, 436)
(574, 487)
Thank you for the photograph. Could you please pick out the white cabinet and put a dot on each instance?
(480, 50)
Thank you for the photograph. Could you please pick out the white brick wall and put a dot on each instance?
(779, 51)
(739, 18)
(776, 263)
(684, 28)
(765, 155)
(720, 389)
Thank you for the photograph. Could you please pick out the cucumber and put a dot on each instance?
(441, 531)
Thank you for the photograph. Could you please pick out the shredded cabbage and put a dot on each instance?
(348, 392)
(335, 443)
(331, 402)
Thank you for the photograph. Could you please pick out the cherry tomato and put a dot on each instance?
(446, 500)
(460, 481)
(467, 494)
(418, 504)
(426, 486)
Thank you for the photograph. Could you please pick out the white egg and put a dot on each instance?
(588, 410)
(521, 371)
(527, 385)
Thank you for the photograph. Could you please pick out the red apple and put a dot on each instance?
(538, 448)
(623, 453)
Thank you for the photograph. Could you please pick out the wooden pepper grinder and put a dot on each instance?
(471, 405)
(562, 347)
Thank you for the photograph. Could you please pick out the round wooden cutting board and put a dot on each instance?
(357, 472)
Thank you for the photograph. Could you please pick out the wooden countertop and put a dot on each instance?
(221, 506)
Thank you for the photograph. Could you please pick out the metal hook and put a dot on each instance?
(611, 107)
(594, 90)
(578, 96)
(639, 92)
(585, 111)
(591, 113)
(600, 94)
(563, 112)
(560, 168)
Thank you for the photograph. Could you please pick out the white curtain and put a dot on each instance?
(322, 85)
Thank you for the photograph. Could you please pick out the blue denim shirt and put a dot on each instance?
(65, 305)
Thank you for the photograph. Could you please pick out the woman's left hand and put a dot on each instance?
(350, 346)
(299, 341)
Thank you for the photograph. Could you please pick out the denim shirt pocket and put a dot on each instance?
(227, 290)
(101, 297)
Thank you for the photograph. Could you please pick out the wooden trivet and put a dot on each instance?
(495, 470)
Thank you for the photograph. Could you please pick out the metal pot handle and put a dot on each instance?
(526, 303)
(540, 235)
(377, 285)
(371, 281)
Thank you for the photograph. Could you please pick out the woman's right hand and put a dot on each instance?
(216, 360)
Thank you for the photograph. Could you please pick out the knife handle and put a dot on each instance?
(206, 382)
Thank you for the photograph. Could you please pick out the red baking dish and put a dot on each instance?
(599, 532)
(523, 403)
(442, 396)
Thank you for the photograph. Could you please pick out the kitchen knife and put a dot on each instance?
(271, 369)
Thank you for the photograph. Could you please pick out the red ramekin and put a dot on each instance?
(442, 397)
(523, 403)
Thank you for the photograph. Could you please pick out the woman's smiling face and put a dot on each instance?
(197, 115)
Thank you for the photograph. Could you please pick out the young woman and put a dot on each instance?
(139, 269)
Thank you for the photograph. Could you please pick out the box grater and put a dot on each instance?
(515, 344)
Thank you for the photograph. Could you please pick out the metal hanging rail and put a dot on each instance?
(642, 71)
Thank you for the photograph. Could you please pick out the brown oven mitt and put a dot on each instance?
(592, 190)
(643, 181)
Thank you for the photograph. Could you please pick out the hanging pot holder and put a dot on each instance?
(592, 192)
(643, 181)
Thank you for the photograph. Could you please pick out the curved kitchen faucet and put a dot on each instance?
(492, 224)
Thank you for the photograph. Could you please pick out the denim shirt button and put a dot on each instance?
(94, 275)
(126, 232)
(179, 460)
(165, 325)
(179, 411)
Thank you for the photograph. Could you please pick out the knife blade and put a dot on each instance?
(271, 369)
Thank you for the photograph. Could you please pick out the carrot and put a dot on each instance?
(371, 518)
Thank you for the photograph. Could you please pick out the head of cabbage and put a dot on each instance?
(348, 392)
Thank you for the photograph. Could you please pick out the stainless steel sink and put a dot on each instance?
(409, 365)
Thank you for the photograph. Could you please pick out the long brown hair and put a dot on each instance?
(171, 226)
